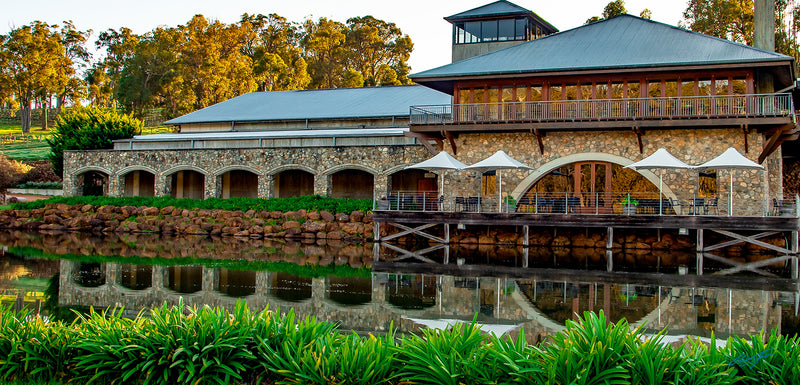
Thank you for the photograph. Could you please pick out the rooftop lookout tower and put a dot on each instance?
(494, 26)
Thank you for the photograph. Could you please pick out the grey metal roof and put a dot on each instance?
(623, 41)
(498, 8)
(340, 103)
(234, 135)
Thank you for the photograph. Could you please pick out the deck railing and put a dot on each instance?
(623, 203)
(720, 106)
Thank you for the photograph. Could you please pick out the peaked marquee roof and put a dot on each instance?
(340, 103)
(621, 42)
(498, 8)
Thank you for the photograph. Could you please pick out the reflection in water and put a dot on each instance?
(135, 277)
(89, 274)
(350, 290)
(185, 279)
(290, 287)
(538, 290)
(411, 291)
(236, 283)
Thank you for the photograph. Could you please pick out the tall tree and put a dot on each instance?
(375, 48)
(147, 76)
(33, 59)
(273, 44)
(323, 47)
(103, 77)
(614, 8)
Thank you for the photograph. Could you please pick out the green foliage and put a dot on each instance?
(89, 129)
(762, 360)
(41, 185)
(11, 172)
(308, 203)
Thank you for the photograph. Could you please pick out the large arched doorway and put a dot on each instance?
(93, 183)
(139, 183)
(188, 184)
(352, 184)
(185, 279)
(239, 184)
(586, 187)
(236, 283)
(293, 183)
(414, 181)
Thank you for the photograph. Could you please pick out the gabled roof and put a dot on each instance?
(498, 8)
(621, 42)
(339, 103)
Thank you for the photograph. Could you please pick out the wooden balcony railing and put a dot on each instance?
(708, 107)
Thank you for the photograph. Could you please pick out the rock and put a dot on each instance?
(276, 215)
(128, 210)
(52, 219)
(352, 228)
(356, 216)
(486, 239)
(313, 227)
(314, 216)
(342, 217)
(327, 216)
(291, 225)
(150, 211)
(167, 210)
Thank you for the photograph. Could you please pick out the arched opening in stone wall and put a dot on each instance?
(185, 279)
(92, 183)
(589, 187)
(290, 287)
(236, 283)
(90, 274)
(139, 183)
(188, 184)
(135, 277)
(350, 290)
(293, 183)
(352, 184)
(562, 301)
(414, 181)
(239, 184)
(411, 291)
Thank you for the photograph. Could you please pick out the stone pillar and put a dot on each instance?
(111, 274)
(113, 186)
(318, 286)
(207, 284)
(265, 185)
(212, 186)
(162, 187)
(322, 184)
(157, 280)
(381, 188)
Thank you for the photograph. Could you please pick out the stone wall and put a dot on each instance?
(380, 161)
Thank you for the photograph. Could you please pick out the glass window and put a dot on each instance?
(463, 96)
(601, 91)
(521, 28)
(489, 30)
(704, 87)
(473, 31)
(459, 33)
(494, 94)
(506, 30)
(671, 88)
(479, 94)
(721, 86)
(654, 89)
(489, 183)
(508, 94)
(522, 93)
(687, 87)
(616, 90)
(633, 90)
(572, 92)
(739, 86)
(555, 92)
(586, 91)
(536, 93)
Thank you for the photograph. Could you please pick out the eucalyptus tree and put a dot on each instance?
(378, 49)
(273, 44)
(323, 44)
(102, 78)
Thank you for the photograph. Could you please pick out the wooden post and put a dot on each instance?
(447, 233)
(609, 237)
(525, 242)
(609, 260)
(377, 232)
(794, 247)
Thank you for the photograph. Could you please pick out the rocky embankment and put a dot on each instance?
(355, 226)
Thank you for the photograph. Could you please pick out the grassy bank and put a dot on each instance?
(204, 345)
(308, 203)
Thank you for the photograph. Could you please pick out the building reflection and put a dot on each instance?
(539, 307)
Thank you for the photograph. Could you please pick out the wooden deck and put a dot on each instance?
(591, 220)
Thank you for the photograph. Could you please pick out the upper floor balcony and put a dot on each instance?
(666, 112)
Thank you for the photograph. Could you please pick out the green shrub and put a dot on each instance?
(89, 129)
(308, 203)
(41, 185)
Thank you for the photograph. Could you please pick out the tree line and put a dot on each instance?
(197, 64)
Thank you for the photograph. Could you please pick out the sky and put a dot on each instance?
(422, 20)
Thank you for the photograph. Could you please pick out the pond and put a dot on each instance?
(367, 288)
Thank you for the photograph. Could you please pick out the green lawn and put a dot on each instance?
(33, 150)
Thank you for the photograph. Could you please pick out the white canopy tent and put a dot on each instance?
(498, 161)
(441, 162)
(732, 160)
(660, 160)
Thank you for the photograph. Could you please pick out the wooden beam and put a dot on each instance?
(745, 130)
(639, 132)
(539, 135)
(743, 238)
(425, 139)
(778, 137)
(451, 138)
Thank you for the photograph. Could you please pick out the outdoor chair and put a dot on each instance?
(461, 203)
